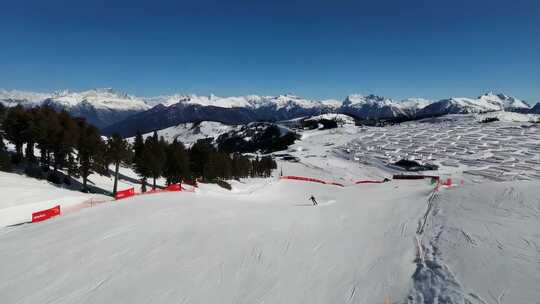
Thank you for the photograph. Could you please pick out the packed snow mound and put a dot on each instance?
(189, 133)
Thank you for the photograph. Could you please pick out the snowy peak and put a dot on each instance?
(415, 103)
(105, 98)
(100, 107)
(248, 101)
(488, 102)
(14, 97)
(357, 100)
(100, 99)
(289, 101)
(372, 106)
(508, 102)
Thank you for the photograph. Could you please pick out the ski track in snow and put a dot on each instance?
(476, 251)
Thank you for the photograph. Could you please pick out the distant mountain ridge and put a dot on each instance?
(113, 111)
(101, 107)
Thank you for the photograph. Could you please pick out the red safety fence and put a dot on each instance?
(447, 182)
(45, 214)
(173, 187)
(306, 179)
(157, 190)
(125, 193)
(313, 180)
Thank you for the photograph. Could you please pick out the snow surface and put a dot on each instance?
(263, 242)
(21, 196)
(482, 246)
(268, 245)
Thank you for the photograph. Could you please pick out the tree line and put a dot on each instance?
(76, 148)
(153, 158)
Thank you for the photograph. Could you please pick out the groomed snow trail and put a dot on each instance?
(263, 245)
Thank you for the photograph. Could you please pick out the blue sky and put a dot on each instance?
(317, 49)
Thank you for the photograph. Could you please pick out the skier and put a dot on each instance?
(312, 198)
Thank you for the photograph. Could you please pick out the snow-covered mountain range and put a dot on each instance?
(101, 107)
(118, 112)
(488, 102)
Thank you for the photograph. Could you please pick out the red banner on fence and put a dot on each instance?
(45, 214)
(313, 180)
(125, 193)
(447, 183)
(173, 187)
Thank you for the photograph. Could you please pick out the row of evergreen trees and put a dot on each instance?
(65, 143)
(73, 146)
(154, 158)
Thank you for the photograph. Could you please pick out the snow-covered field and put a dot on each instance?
(263, 242)
(500, 151)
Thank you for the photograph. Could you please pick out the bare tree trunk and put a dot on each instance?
(84, 183)
(116, 168)
(143, 185)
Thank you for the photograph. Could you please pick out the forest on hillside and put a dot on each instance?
(58, 147)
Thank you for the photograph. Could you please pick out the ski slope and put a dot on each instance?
(482, 245)
(21, 196)
(263, 242)
(258, 244)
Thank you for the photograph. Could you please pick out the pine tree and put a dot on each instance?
(64, 139)
(117, 150)
(47, 126)
(155, 155)
(5, 161)
(199, 155)
(90, 149)
(177, 163)
(140, 160)
(15, 124)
